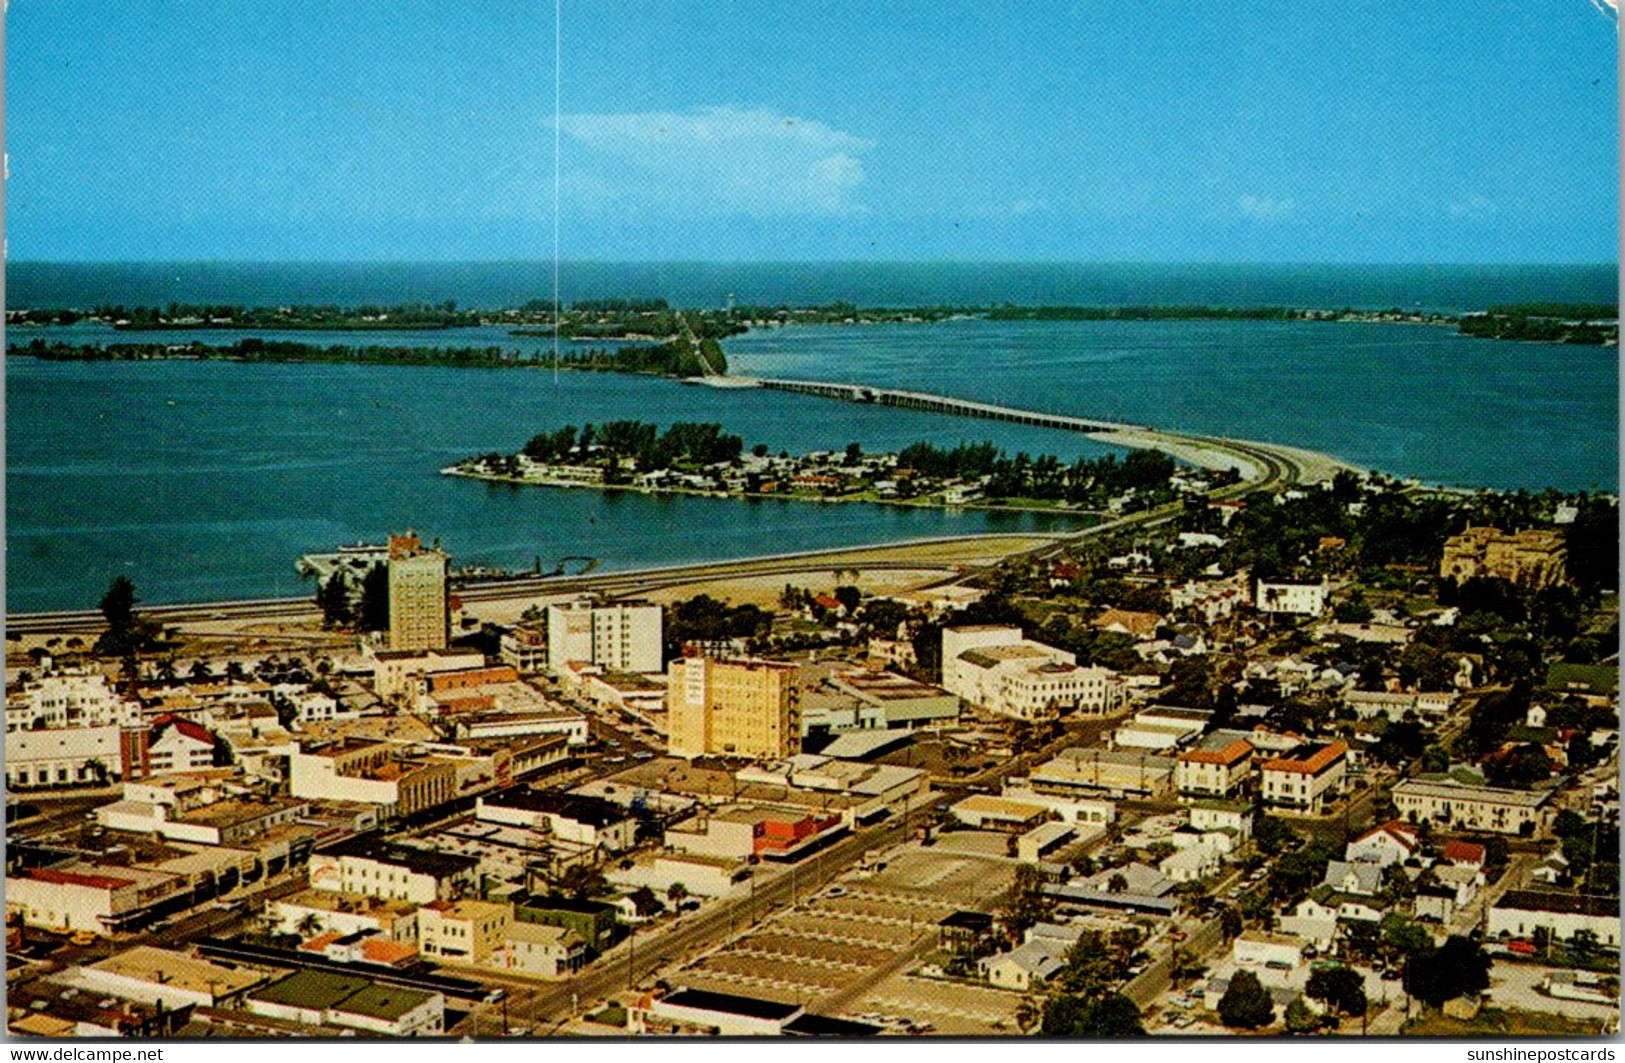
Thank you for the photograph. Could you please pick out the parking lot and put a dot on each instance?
(866, 927)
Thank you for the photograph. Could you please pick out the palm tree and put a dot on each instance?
(677, 892)
(310, 925)
(1118, 883)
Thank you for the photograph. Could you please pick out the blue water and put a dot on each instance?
(205, 480)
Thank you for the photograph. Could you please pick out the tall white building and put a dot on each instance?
(616, 636)
(996, 668)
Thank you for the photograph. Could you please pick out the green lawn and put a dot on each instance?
(1501, 1022)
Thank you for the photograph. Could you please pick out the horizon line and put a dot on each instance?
(926, 261)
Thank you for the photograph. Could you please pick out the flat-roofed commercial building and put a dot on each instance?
(894, 700)
(744, 708)
(463, 931)
(1305, 778)
(86, 897)
(1519, 913)
(376, 773)
(322, 998)
(151, 975)
(1452, 805)
(373, 867)
(578, 818)
(1095, 772)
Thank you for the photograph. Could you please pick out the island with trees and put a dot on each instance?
(703, 459)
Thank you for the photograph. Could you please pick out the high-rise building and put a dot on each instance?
(743, 708)
(418, 614)
(616, 636)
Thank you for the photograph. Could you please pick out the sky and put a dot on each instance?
(1028, 130)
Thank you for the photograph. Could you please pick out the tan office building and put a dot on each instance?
(418, 614)
(745, 708)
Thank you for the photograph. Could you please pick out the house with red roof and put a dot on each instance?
(1466, 854)
(1386, 844)
(176, 744)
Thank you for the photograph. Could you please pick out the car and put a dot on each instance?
(645, 755)
(835, 891)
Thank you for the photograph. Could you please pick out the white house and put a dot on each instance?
(1388, 843)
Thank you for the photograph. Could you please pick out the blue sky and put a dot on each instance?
(1407, 131)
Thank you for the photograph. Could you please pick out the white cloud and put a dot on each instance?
(1262, 208)
(715, 160)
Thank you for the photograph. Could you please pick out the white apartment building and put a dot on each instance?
(70, 699)
(1215, 768)
(619, 636)
(1305, 778)
(996, 668)
(1453, 805)
(1292, 599)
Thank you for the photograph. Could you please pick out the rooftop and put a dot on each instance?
(145, 963)
(729, 1004)
(1311, 758)
(374, 847)
(593, 811)
(1566, 903)
(1456, 791)
(339, 992)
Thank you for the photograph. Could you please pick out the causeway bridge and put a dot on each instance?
(919, 400)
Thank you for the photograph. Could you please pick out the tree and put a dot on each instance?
(310, 925)
(1404, 936)
(375, 599)
(1246, 1004)
(677, 893)
(1230, 924)
(1113, 1016)
(1028, 1014)
(1299, 1019)
(333, 598)
(1519, 768)
(1339, 988)
(849, 597)
(1271, 835)
(1026, 905)
(581, 881)
(127, 634)
(1118, 883)
(1458, 968)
